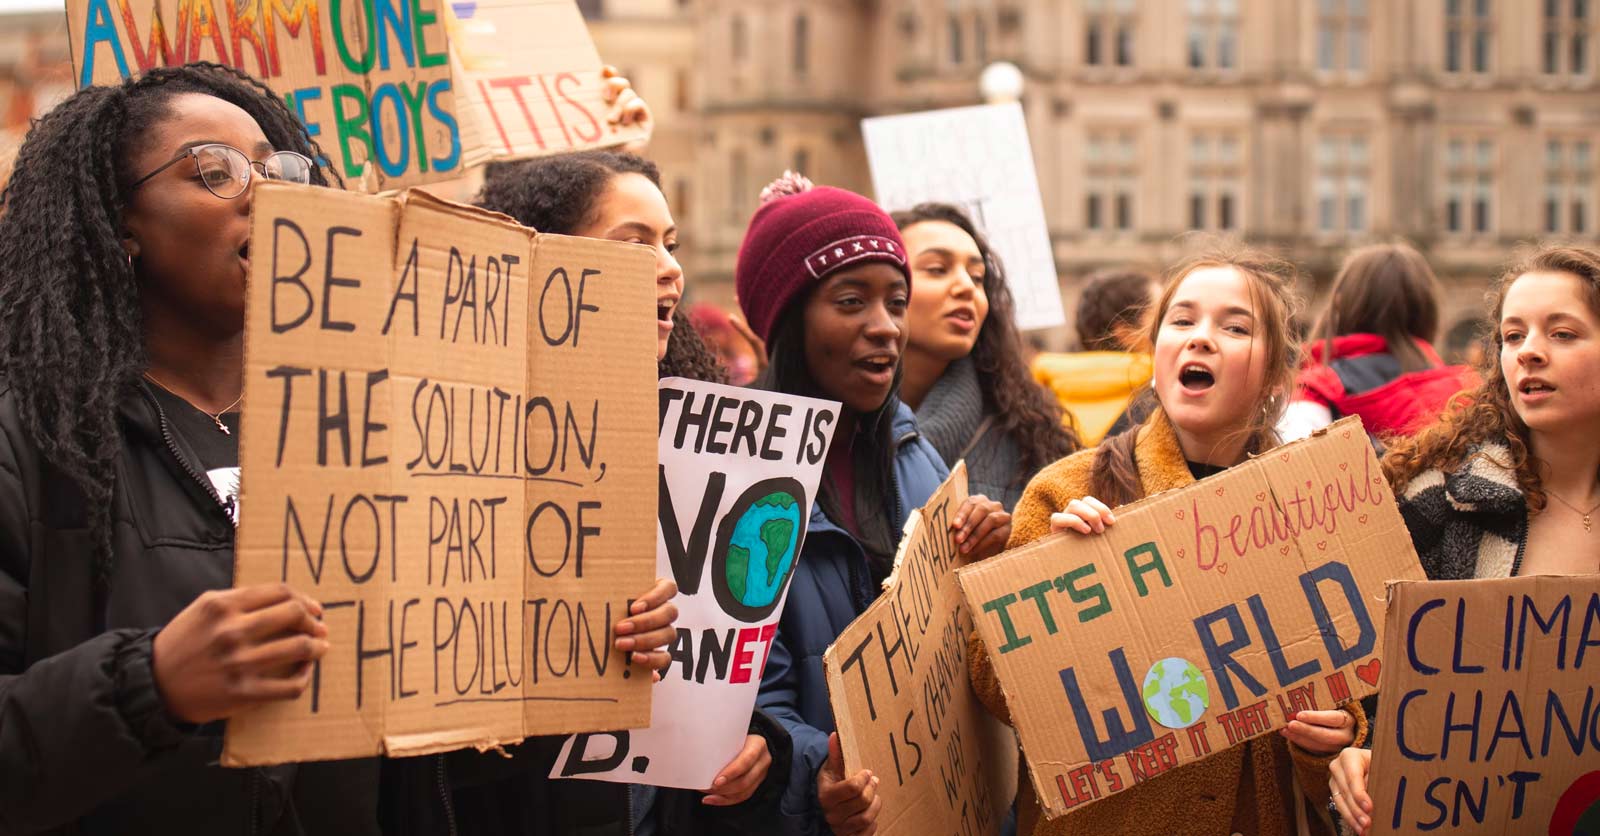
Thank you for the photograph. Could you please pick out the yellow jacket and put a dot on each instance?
(1093, 386)
(1243, 790)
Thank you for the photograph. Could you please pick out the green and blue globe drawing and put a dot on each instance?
(1176, 693)
(761, 552)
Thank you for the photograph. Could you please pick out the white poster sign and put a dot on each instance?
(739, 471)
(979, 159)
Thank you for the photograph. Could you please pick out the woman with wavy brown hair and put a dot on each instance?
(964, 372)
(1507, 483)
(1224, 363)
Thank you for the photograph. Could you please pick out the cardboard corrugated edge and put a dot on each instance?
(1254, 461)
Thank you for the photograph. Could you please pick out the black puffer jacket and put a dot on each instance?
(85, 745)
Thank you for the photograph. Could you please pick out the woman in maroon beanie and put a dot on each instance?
(822, 278)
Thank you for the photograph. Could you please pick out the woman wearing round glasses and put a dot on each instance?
(124, 252)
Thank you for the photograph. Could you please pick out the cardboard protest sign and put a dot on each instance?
(739, 471)
(370, 78)
(530, 81)
(1488, 721)
(1205, 617)
(447, 442)
(897, 680)
(410, 91)
(979, 159)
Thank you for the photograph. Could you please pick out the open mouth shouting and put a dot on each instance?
(665, 305)
(877, 367)
(1196, 378)
(963, 319)
(1535, 389)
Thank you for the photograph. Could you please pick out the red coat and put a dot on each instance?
(1364, 379)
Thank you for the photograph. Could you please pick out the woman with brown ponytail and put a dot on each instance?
(1224, 366)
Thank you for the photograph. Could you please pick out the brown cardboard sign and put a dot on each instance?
(1205, 617)
(902, 702)
(1488, 722)
(530, 81)
(448, 439)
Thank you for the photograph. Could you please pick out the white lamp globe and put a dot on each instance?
(1001, 82)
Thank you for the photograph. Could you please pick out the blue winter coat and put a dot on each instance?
(831, 587)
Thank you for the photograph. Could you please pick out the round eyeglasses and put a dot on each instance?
(226, 171)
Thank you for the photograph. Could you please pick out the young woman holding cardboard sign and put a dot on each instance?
(617, 196)
(823, 281)
(1507, 483)
(1224, 366)
(124, 251)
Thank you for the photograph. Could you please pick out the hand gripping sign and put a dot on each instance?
(897, 679)
(738, 476)
(1204, 618)
(446, 442)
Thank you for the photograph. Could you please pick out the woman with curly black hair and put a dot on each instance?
(617, 196)
(124, 255)
(964, 373)
(614, 195)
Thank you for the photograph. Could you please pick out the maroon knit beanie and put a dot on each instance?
(799, 235)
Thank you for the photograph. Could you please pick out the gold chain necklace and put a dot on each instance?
(216, 418)
(1587, 522)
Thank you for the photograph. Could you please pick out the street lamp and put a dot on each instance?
(1001, 82)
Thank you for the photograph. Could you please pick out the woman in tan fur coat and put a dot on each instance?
(1224, 365)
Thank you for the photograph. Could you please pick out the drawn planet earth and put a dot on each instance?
(1175, 693)
(761, 552)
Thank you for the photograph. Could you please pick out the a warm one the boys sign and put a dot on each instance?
(1205, 617)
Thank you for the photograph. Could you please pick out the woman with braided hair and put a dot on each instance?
(124, 252)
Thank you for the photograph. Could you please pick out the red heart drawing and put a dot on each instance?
(1179, 515)
(1283, 550)
(1344, 465)
(1261, 496)
(1368, 673)
(1346, 433)
(1219, 492)
(1180, 554)
(1223, 568)
(1322, 545)
(1377, 481)
(1285, 457)
(1362, 519)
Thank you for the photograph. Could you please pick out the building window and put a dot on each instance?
(1342, 35)
(1108, 27)
(980, 39)
(680, 90)
(802, 161)
(1469, 180)
(802, 34)
(1213, 34)
(956, 56)
(1344, 177)
(1111, 176)
(1569, 186)
(1216, 170)
(1568, 31)
(739, 38)
(680, 200)
(1468, 36)
(738, 185)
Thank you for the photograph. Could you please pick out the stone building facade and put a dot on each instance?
(1465, 126)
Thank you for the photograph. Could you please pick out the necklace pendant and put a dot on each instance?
(226, 431)
(1586, 524)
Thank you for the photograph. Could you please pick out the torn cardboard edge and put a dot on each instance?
(1034, 692)
(286, 732)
